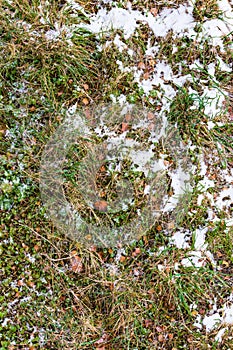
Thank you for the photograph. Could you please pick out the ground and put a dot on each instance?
(168, 285)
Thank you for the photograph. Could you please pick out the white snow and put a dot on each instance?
(199, 237)
(212, 321)
(179, 239)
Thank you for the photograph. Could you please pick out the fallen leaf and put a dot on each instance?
(85, 101)
(148, 323)
(76, 262)
(141, 65)
(151, 291)
(101, 206)
(36, 247)
(151, 126)
(124, 127)
(160, 338)
(122, 258)
(154, 11)
(128, 117)
(170, 225)
(159, 329)
(136, 252)
(87, 113)
(150, 115)
(146, 75)
(86, 87)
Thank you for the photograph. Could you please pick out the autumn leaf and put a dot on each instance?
(150, 116)
(146, 75)
(122, 258)
(85, 101)
(154, 11)
(141, 65)
(124, 127)
(128, 117)
(86, 87)
(101, 206)
(136, 252)
(76, 262)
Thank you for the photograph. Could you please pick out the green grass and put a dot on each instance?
(54, 288)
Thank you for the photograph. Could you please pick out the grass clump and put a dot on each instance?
(55, 293)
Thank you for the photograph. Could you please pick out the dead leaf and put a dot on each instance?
(170, 225)
(160, 338)
(122, 258)
(151, 291)
(150, 116)
(151, 126)
(148, 323)
(124, 127)
(136, 252)
(101, 206)
(146, 75)
(159, 329)
(141, 65)
(85, 101)
(87, 113)
(36, 247)
(86, 87)
(76, 262)
(154, 11)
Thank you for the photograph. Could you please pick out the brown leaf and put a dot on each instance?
(148, 323)
(87, 113)
(151, 291)
(85, 101)
(101, 206)
(76, 262)
(146, 75)
(141, 65)
(160, 338)
(124, 127)
(151, 126)
(136, 252)
(128, 117)
(159, 329)
(122, 258)
(150, 116)
(36, 247)
(171, 225)
(154, 11)
(86, 87)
